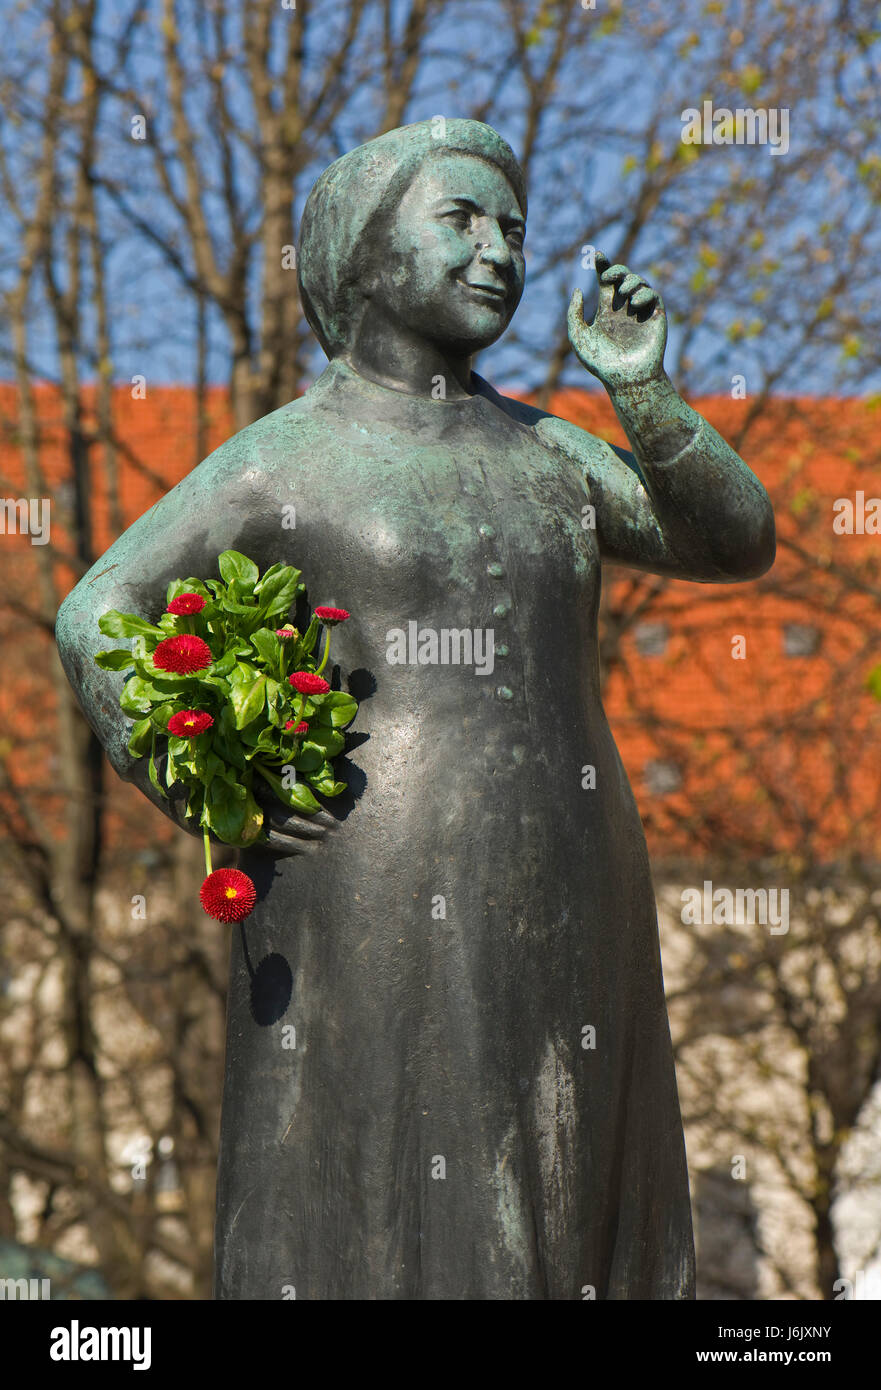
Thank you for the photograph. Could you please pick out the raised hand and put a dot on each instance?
(624, 345)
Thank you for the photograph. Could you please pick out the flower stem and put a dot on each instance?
(207, 849)
(326, 653)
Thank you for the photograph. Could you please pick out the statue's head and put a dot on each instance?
(427, 222)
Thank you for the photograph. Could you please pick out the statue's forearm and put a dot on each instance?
(714, 511)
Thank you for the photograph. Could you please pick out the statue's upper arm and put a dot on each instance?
(628, 530)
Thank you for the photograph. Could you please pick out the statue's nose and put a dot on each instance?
(492, 248)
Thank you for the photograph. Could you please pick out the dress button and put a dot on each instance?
(501, 610)
(504, 692)
(486, 531)
(495, 569)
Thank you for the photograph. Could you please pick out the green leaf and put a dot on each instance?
(248, 701)
(260, 738)
(115, 624)
(233, 565)
(225, 810)
(231, 605)
(160, 714)
(195, 803)
(117, 660)
(337, 709)
(167, 680)
(307, 642)
(298, 797)
(139, 696)
(226, 664)
(185, 586)
(253, 823)
(309, 760)
(151, 767)
(226, 741)
(267, 574)
(141, 738)
(278, 592)
(324, 783)
(328, 742)
(268, 646)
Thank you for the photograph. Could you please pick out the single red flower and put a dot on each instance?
(285, 632)
(308, 684)
(186, 603)
(301, 727)
(190, 722)
(228, 895)
(183, 654)
(331, 616)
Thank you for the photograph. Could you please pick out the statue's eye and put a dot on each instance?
(515, 237)
(458, 216)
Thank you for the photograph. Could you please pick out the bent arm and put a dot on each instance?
(180, 536)
(683, 503)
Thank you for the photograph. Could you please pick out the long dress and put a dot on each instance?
(449, 1072)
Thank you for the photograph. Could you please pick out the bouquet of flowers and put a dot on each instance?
(236, 693)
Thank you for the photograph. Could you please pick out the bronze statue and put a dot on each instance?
(481, 1101)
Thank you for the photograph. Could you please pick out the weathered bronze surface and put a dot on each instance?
(450, 937)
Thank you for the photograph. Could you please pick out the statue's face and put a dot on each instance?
(452, 267)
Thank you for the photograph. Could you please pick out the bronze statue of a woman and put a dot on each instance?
(481, 1103)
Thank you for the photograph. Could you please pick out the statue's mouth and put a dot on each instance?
(493, 292)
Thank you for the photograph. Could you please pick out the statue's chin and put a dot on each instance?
(468, 343)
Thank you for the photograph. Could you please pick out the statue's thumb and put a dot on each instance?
(576, 311)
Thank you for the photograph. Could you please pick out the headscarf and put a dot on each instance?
(365, 184)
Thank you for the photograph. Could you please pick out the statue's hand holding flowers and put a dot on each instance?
(624, 345)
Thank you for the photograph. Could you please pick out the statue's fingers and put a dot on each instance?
(581, 334)
(283, 844)
(614, 274)
(601, 262)
(643, 297)
(575, 314)
(300, 827)
(575, 321)
(629, 284)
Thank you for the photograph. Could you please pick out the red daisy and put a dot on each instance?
(186, 603)
(285, 632)
(190, 722)
(228, 895)
(331, 616)
(183, 654)
(301, 727)
(308, 684)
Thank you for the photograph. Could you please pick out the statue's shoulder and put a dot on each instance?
(582, 448)
(259, 448)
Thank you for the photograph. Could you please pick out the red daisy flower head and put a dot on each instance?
(286, 632)
(301, 727)
(331, 616)
(307, 683)
(183, 654)
(187, 723)
(186, 603)
(228, 895)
